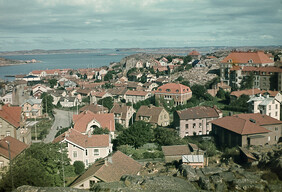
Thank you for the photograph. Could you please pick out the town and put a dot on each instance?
(151, 121)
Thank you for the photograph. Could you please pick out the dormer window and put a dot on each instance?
(250, 61)
(230, 61)
(177, 90)
(168, 90)
(160, 89)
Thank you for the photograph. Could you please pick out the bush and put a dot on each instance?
(270, 177)
(79, 167)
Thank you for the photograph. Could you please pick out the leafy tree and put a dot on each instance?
(71, 72)
(107, 102)
(187, 59)
(52, 82)
(79, 167)
(40, 165)
(47, 101)
(109, 76)
(136, 135)
(86, 99)
(100, 131)
(180, 78)
(221, 93)
(187, 83)
(247, 82)
(169, 58)
(119, 127)
(164, 136)
(199, 91)
(143, 78)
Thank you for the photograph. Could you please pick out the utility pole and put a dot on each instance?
(35, 130)
(10, 164)
(63, 165)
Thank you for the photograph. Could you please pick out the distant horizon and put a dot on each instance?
(116, 48)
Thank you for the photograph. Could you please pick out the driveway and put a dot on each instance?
(62, 119)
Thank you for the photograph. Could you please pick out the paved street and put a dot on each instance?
(62, 118)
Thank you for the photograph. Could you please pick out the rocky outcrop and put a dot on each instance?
(147, 184)
(25, 188)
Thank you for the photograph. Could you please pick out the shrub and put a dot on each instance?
(79, 167)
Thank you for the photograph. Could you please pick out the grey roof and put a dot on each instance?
(33, 101)
(266, 101)
(192, 158)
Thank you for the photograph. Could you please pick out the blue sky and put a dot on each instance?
(70, 24)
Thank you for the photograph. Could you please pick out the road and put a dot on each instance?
(62, 118)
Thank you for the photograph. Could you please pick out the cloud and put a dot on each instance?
(153, 23)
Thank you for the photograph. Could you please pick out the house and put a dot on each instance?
(195, 161)
(85, 148)
(96, 96)
(163, 61)
(215, 88)
(31, 78)
(196, 120)
(265, 78)
(32, 108)
(7, 98)
(69, 101)
(175, 152)
(136, 96)
(236, 94)
(100, 109)
(177, 93)
(195, 55)
(139, 64)
(123, 114)
(38, 90)
(118, 93)
(87, 121)
(154, 115)
(149, 86)
(240, 58)
(246, 129)
(177, 61)
(16, 148)
(12, 124)
(109, 169)
(264, 105)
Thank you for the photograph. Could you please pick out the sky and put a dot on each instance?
(72, 24)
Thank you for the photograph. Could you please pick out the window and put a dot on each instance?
(250, 61)
(269, 114)
(230, 61)
(276, 128)
(168, 90)
(187, 126)
(86, 152)
(86, 162)
(268, 138)
(276, 106)
(276, 138)
(276, 113)
(269, 107)
(8, 133)
(200, 124)
(96, 152)
(194, 125)
(74, 153)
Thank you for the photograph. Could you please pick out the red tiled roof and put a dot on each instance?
(11, 114)
(84, 141)
(175, 150)
(253, 92)
(149, 111)
(111, 170)
(194, 53)
(258, 57)
(137, 93)
(98, 94)
(105, 120)
(16, 147)
(246, 124)
(173, 88)
(198, 113)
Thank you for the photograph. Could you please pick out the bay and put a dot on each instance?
(61, 61)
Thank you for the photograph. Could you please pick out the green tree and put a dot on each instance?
(143, 78)
(61, 131)
(164, 136)
(109, 76)
(119, 127)
(107, 102)
(79, 167)
(47, 101)
(40, 165)
(136, 135)
(247, 82)
(52, 82)
(187, 59)
(221, 93)
(199, 91)
(100, 131)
